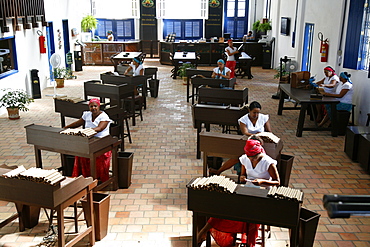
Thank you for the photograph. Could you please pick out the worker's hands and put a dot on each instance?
(257, 181)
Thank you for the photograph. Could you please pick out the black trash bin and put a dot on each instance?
(342, 121)
(285, 168)
(125, 160)
(69, 161)
(153, 87)
(35, 82)
(308, 221)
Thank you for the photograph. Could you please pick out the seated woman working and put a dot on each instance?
(221, 72)
(100, 122)
(136, 66)
(252, 123)
(329, 83)
(343, 92)
(259, 169)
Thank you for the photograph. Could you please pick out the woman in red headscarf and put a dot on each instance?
(98, 121)
(257, 168)
(329, 83)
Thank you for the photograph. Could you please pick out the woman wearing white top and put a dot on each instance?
(136, 66)
(231, 61)
(221, 72)
(257, 168)
(343, 93)
(254, 122)
(100, 122)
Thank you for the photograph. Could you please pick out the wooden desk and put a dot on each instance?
(75, 110)
(302, 97)
(189, 74)
(210, 82)
(222, 96)
(183, 57)
(246, 204)
(48, 138)
(140, 81)
(27, 197)
(115, 93)
(231, 147)
(209, 114)
(124, 56)
(243, 66)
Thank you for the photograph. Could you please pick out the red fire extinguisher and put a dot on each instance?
(324, 47)
(42, 42)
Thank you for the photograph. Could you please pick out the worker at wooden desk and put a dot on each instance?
(254, 122)
(221, 71)
(136, 66)
(100, 122)
(257, 168)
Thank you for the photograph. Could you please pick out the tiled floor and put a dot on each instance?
(153, 211)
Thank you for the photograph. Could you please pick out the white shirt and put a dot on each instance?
(328, 80)
(347, 98)
(87, 117)
(231, 50)
(136, 71)
(261, 169)
(260, 124)
(223, 72)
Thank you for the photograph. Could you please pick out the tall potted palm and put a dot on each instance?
(89, 24)
(15, 100)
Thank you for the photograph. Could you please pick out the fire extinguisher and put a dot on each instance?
(42, 42)
(324, 47)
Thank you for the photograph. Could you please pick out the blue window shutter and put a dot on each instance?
(353, 35)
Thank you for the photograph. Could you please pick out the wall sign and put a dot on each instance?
(214, 22)
(148, 21)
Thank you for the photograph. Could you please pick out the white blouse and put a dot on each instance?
(261, 169)
(87, 117)
(260, 124)
(136, 70)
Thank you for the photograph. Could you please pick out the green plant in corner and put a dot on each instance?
(263, 27)
(183, 67)
(15, 98)
(60, 73)
(88, 23)
(283, 72)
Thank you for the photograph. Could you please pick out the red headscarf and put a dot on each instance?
(253, 147)
(96, 100)
(328, 68)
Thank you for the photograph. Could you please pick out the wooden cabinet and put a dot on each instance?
(99, 53)
(209, 52)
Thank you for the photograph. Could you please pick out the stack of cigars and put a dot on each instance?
(214, 183)
(285, 193)
(38, 175)
(88, 132)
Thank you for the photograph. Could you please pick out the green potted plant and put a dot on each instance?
(182, 70)
(88, 23)
(15, 100)
(264, 27)
(59, 75)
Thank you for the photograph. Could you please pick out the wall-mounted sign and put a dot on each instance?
(214, 3)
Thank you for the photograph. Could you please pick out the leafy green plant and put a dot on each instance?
(88, 23)
(15, 98)
(183, 67)
(256, 25)
(283, 72)
(263, 27)
(61, 73)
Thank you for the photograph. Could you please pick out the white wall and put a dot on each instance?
(330, 25)
(27, 44)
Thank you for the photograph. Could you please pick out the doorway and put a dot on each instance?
(307, 47)
(236, 18)
(51, 46)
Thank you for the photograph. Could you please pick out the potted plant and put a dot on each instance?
(88, 23)
(15, 100)
(59, 75)
(182, 70)
(261, 27)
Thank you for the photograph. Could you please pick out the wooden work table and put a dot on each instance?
(49, 138)
(26, 195)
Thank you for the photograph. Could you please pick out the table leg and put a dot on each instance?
(187, 88)
(199, 128)
(205, 172)
(281, 102)
(60, 220)
(334, 125)
(90, 212)
(294, 237)
(192, 95)
(93, 165)
(302, 115)
(175, 71)
(115, 168)
(62, 120)
(38, 157)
